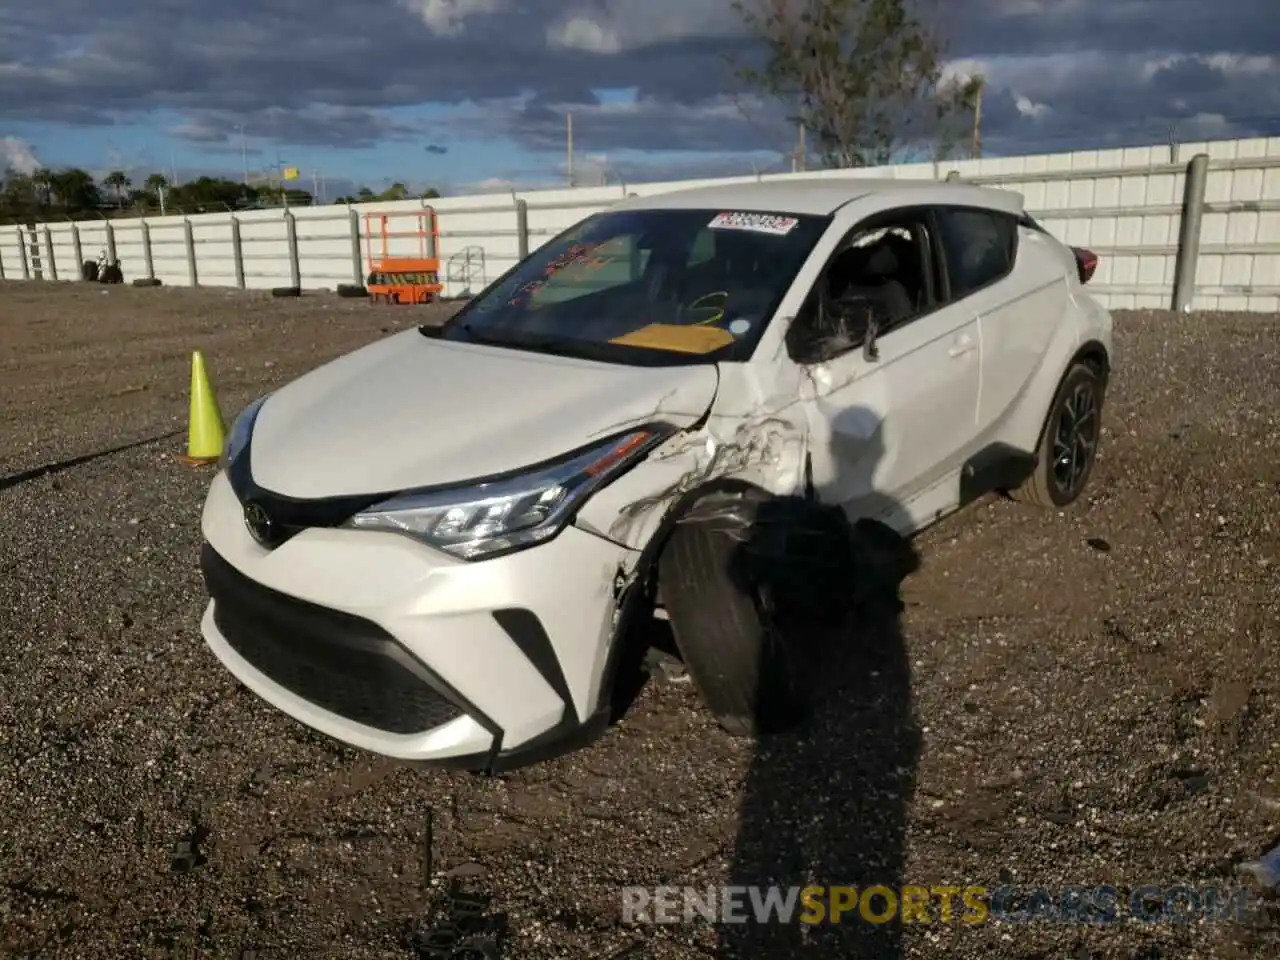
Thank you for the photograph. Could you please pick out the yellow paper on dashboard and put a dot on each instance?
(681, 339)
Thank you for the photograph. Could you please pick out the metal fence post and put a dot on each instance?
(432, 242)
(48, 246)
(78, 247)
(22, 248)
(237, 251)
(1, 261)
(522, 228)
(111, 244)
(357, 261)
(148, 259)
(1184, 283)
(291, 234)
(189, 235)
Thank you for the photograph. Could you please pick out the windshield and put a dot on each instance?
(649, 287)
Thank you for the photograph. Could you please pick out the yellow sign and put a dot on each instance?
(670, 336)
(290, 173)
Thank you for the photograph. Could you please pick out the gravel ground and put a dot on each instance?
(1067, 699)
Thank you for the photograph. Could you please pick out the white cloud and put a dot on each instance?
(447, 18)
(615, 26)
(18, 155)
(1231, 64)
(1029, 108)
(583, 33)
(1235, 63)
(491, 185)
(1210, 124)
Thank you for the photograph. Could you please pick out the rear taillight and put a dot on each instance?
(1086, 263)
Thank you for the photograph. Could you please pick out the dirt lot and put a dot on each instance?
(1068, 700)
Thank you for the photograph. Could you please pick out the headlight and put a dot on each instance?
(487, 519)
(240, 432)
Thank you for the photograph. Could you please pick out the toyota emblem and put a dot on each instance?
(258, 523)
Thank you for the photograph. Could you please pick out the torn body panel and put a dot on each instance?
(755, 434)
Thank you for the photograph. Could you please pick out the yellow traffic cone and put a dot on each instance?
(206, 433)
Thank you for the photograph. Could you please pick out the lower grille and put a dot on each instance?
(341, 663)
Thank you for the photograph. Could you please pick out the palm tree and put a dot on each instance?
(119, 182)
(43, 181)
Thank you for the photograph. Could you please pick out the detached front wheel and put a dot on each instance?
(724, 626)
(1068, 442)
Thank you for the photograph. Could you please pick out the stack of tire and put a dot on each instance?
(94, 271)
(91, 271)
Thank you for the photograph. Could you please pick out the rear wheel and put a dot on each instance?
(725, 629)
(1068, 442)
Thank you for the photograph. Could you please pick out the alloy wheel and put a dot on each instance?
(1075, 439)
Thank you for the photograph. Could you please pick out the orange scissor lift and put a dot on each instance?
(403, 279)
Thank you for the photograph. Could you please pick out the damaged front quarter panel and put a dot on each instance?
(749, 437)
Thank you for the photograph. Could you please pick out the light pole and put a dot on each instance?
(244, 153)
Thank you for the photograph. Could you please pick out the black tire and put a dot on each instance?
(147, 282)
(89, 271)
(286, 291)
(1074, 423)
(735, 654)
(352, 290)
(111, 273)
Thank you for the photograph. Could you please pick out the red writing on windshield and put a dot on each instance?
(579, 253)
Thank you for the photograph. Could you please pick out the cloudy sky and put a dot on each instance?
(459, 93)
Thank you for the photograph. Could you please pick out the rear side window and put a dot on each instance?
(979, 247)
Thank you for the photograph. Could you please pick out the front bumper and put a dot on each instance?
(385, 644)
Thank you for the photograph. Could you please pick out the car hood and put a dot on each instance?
(410, 411)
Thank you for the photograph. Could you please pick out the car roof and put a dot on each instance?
(822, 196)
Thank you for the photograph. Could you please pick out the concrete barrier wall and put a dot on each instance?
(1127, 206)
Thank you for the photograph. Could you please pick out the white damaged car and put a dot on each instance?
(430, 548)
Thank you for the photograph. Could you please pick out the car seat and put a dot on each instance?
(871, 275)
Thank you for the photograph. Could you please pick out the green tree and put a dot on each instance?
(42, 180)
(76, 191)
(864, 77)
(207, 194)
(119, 183)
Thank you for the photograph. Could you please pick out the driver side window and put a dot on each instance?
(880, 277)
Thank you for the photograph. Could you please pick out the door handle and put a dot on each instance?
(964, 344)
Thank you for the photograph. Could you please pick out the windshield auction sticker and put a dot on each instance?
(755, 223)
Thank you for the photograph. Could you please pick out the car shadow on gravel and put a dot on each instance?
(825, 805)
